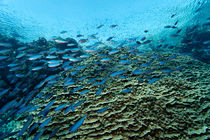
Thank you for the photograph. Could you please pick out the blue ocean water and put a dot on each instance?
(90, 69)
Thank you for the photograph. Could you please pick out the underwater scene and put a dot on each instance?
(104, 69)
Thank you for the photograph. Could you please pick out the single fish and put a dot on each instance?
(105, 59)
(77, 124)
(69, 83)
(103, 110)
(52, 65)
(84, 56)
(37, 68)
(71, 44)
(84, 91)
(4, 92)
(38, 135)
(59, 41)
(44, 123)
(63, 32)
(166, 71)
(113, 26)
(75, 49)
(99, 91)
(68, 109)
(60, 107)
(53, 133)
(48, 106)
(79, 35)
(93, 36)
(126, 90)
(74, 59)
(109, 39)
(54, 61)
(153, 80)
(137, 72)
(91, 80)
(116, 73)
(25, 127)
(24, 109)
(51, 56)
(162, 62)
(82, 78)
(4, 51)
(3, 57)
(21, 48)
(167, 26)
(100, 26)
(35, 57)
(100, 83)
(81, 67)
(113, 51)
(76, 89)
(83, 40)
(79, 103)
(90, 50)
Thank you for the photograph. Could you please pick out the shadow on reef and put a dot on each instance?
(196, 42)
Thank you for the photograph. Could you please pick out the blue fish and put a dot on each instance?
(60, 107)
(99, 91)
(3, 57)
(100, 83)
(102, 110)
(124, 57)
(33, 108)
(51, 77)
(26, 125)
(84, 91)
(149, 71)
(124, 62)
(147, 64)
(32, 128)
(48, 96)
(68, 83)
(166, 71)
(38, 135)
(139, 54)
(137, 72)
(35, 57)
(162, 62)
(126, 90)
(74, 73)
(68, 67)
(82, 78)
(123, 77)
(68, 109)
(44, 123)
(77, 125)
(113, 51)
(24, 109)
(178, 68)
(47, 107)
(4, 91)
(54, 132)
(116, 73)
(153, 80)
(172, 57)
(91, 80)
(76, 89)
(141, 80)
(79, 103)
(81, 67)
(154, 56)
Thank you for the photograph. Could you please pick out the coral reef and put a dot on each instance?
(174, 107)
